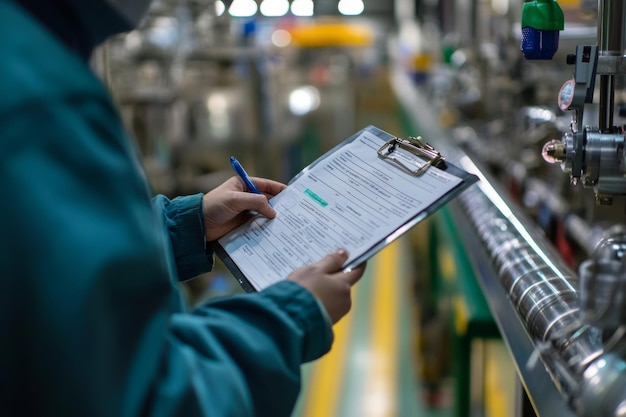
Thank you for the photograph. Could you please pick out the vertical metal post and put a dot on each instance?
(607, 99)
(610, 43)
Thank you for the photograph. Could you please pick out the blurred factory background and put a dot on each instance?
(510, 300)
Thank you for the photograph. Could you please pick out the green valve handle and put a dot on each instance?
(541, 22)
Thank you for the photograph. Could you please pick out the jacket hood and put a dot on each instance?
(80, 24)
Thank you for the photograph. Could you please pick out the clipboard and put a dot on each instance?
(362, 195)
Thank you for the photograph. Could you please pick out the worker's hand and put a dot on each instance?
(329, 284)
(229, 205)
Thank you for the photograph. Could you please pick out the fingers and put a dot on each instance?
(268, 187)
(354, 275)
(327, 281)
(245, 200)
(256, 202)
(333, 261)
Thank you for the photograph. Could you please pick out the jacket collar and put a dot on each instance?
(79, 24)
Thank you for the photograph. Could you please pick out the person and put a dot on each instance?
(91, 322)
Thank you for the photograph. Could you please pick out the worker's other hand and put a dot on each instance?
(329, 284)
(228, 206)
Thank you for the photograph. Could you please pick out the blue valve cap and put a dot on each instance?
(539, 44)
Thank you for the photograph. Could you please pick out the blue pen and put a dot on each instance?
(243, 175)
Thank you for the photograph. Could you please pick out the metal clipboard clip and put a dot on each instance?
(416, 146)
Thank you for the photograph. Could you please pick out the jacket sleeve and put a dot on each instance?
(241, 356)
(94, 322)
(184, 223)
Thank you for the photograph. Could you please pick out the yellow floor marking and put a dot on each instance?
(322, 397)
(446, 264)
(460, 315)
(381, 383)
(499, 380)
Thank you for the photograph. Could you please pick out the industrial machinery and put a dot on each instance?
(577, 323)
(565, 330)
(594, 156)
(195, 85)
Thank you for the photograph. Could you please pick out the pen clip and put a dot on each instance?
(416, 146)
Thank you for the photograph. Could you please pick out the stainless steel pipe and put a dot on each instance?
(545, 294)
(541, 288)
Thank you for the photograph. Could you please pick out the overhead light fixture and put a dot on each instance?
(274, 8)
(500, 7)
(351, 7)
(243, 8)
(302, 8)
(304, 100)
(220, 7)
(281, 38)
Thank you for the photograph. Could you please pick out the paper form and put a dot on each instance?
(351, 199)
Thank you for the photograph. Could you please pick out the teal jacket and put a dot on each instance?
(91, 320)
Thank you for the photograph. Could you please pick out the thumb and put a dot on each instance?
(334, 261)
(353, 275)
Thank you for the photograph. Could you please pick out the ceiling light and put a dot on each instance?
(302, 7)
(220, 8)
(274, 8)
(351, 7)
(243, 8)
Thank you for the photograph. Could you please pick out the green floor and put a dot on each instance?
(372, 369)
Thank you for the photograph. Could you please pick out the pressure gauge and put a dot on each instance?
(566, 94)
